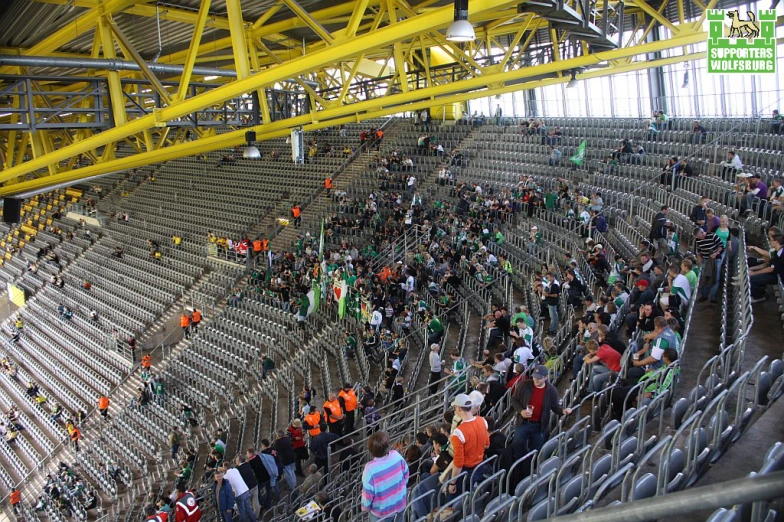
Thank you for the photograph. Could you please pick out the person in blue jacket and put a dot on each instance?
(224, 496)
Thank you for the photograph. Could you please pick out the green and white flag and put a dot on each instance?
(579, 156)
(310, 301)
(340, 290)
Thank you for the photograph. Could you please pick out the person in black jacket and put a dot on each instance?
(397, 392)
(551, 295)
(497, 439)
(249, 477)
(610, 338)
(495, 391)
(259, 471)
(319, 445)
(272, 487)
(697, 214)
(285, 453)
(534, 401)
(658, 234)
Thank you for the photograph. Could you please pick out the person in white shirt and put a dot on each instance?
(678, 284)
(522, 355)
(241, 494)
(411, 183)
(435, 367)
(502, 363)
(410, 285)
(376, 319)
(491, 259)
(733, 163)
(523, 331)
(585, 216)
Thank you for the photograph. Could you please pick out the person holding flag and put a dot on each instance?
(579, 156)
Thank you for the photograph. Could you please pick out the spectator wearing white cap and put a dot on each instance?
(469, 441)
(535, 239)
(534, 400)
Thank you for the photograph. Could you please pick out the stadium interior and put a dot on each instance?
(247, 243)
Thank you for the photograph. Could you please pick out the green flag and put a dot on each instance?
(316, 295)
(579, 156)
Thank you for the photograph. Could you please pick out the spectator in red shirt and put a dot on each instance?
(534, 400)
(605, 364)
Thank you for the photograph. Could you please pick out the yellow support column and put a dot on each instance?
(238, 42)
(115, 87)
(198, 30)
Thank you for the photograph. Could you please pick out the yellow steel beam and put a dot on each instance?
(37, 141)
(178, 15)
(400, 63)
(20, 153)
(356, 18)
(437, 18)
(190, 60)
(136, 57)
(254, 61)
(269, 13)
(115, 87)
(12, 135)
(352, 74)
(441, 94)
(238, 42)
(309, 20)
(653, 13)
(698, 24)
(83, 24)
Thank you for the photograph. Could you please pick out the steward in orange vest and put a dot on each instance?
(296, 212)
(311, 422)
(348, 400)
(185, 323)
(334, 414)
(103, 406)
(195, 319)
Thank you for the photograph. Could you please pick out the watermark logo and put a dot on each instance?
(746, 45)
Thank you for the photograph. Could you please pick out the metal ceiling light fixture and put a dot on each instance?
(461, 29)
(251, 151)
(572, 81)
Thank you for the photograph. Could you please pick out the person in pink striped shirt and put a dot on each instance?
(384, 481)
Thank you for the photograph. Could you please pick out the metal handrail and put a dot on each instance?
(740, 491)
